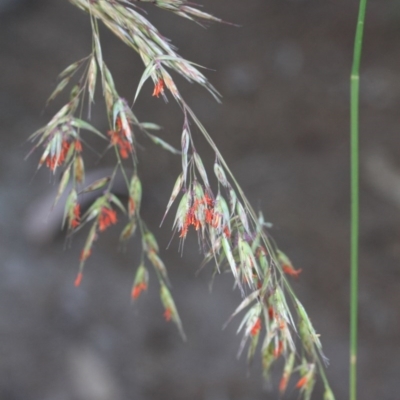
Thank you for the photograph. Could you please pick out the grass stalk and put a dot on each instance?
(354, 161)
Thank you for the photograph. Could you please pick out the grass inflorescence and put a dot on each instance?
(232, 236)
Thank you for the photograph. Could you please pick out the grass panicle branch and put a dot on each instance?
(231, 234)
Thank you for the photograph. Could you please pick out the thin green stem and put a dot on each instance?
(354, 161)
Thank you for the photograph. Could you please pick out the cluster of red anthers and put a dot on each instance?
(119, 138)
(159, 87)
(208, 217)
(168, 314)
(278, 323)
(107, 217)
(138, 289)
(76, 220)
(56, 160)
(256, 328)
(289, 270)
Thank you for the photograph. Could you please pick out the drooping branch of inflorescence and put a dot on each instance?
(231, 234)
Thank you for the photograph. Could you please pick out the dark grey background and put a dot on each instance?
(283, 127)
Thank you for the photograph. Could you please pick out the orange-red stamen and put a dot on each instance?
(118, 123)
(78, 146)
(168, 314)
(78, 279)
(107, 217)
(302, 382)
(138, 289)
(158, 87)
(256, 327)
(55, 161)
(209, 201)
(117, 138)
(289, 270)
(77, 216)
(209, 216)
(131, 206)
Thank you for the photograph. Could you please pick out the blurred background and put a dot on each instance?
(283, 128)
